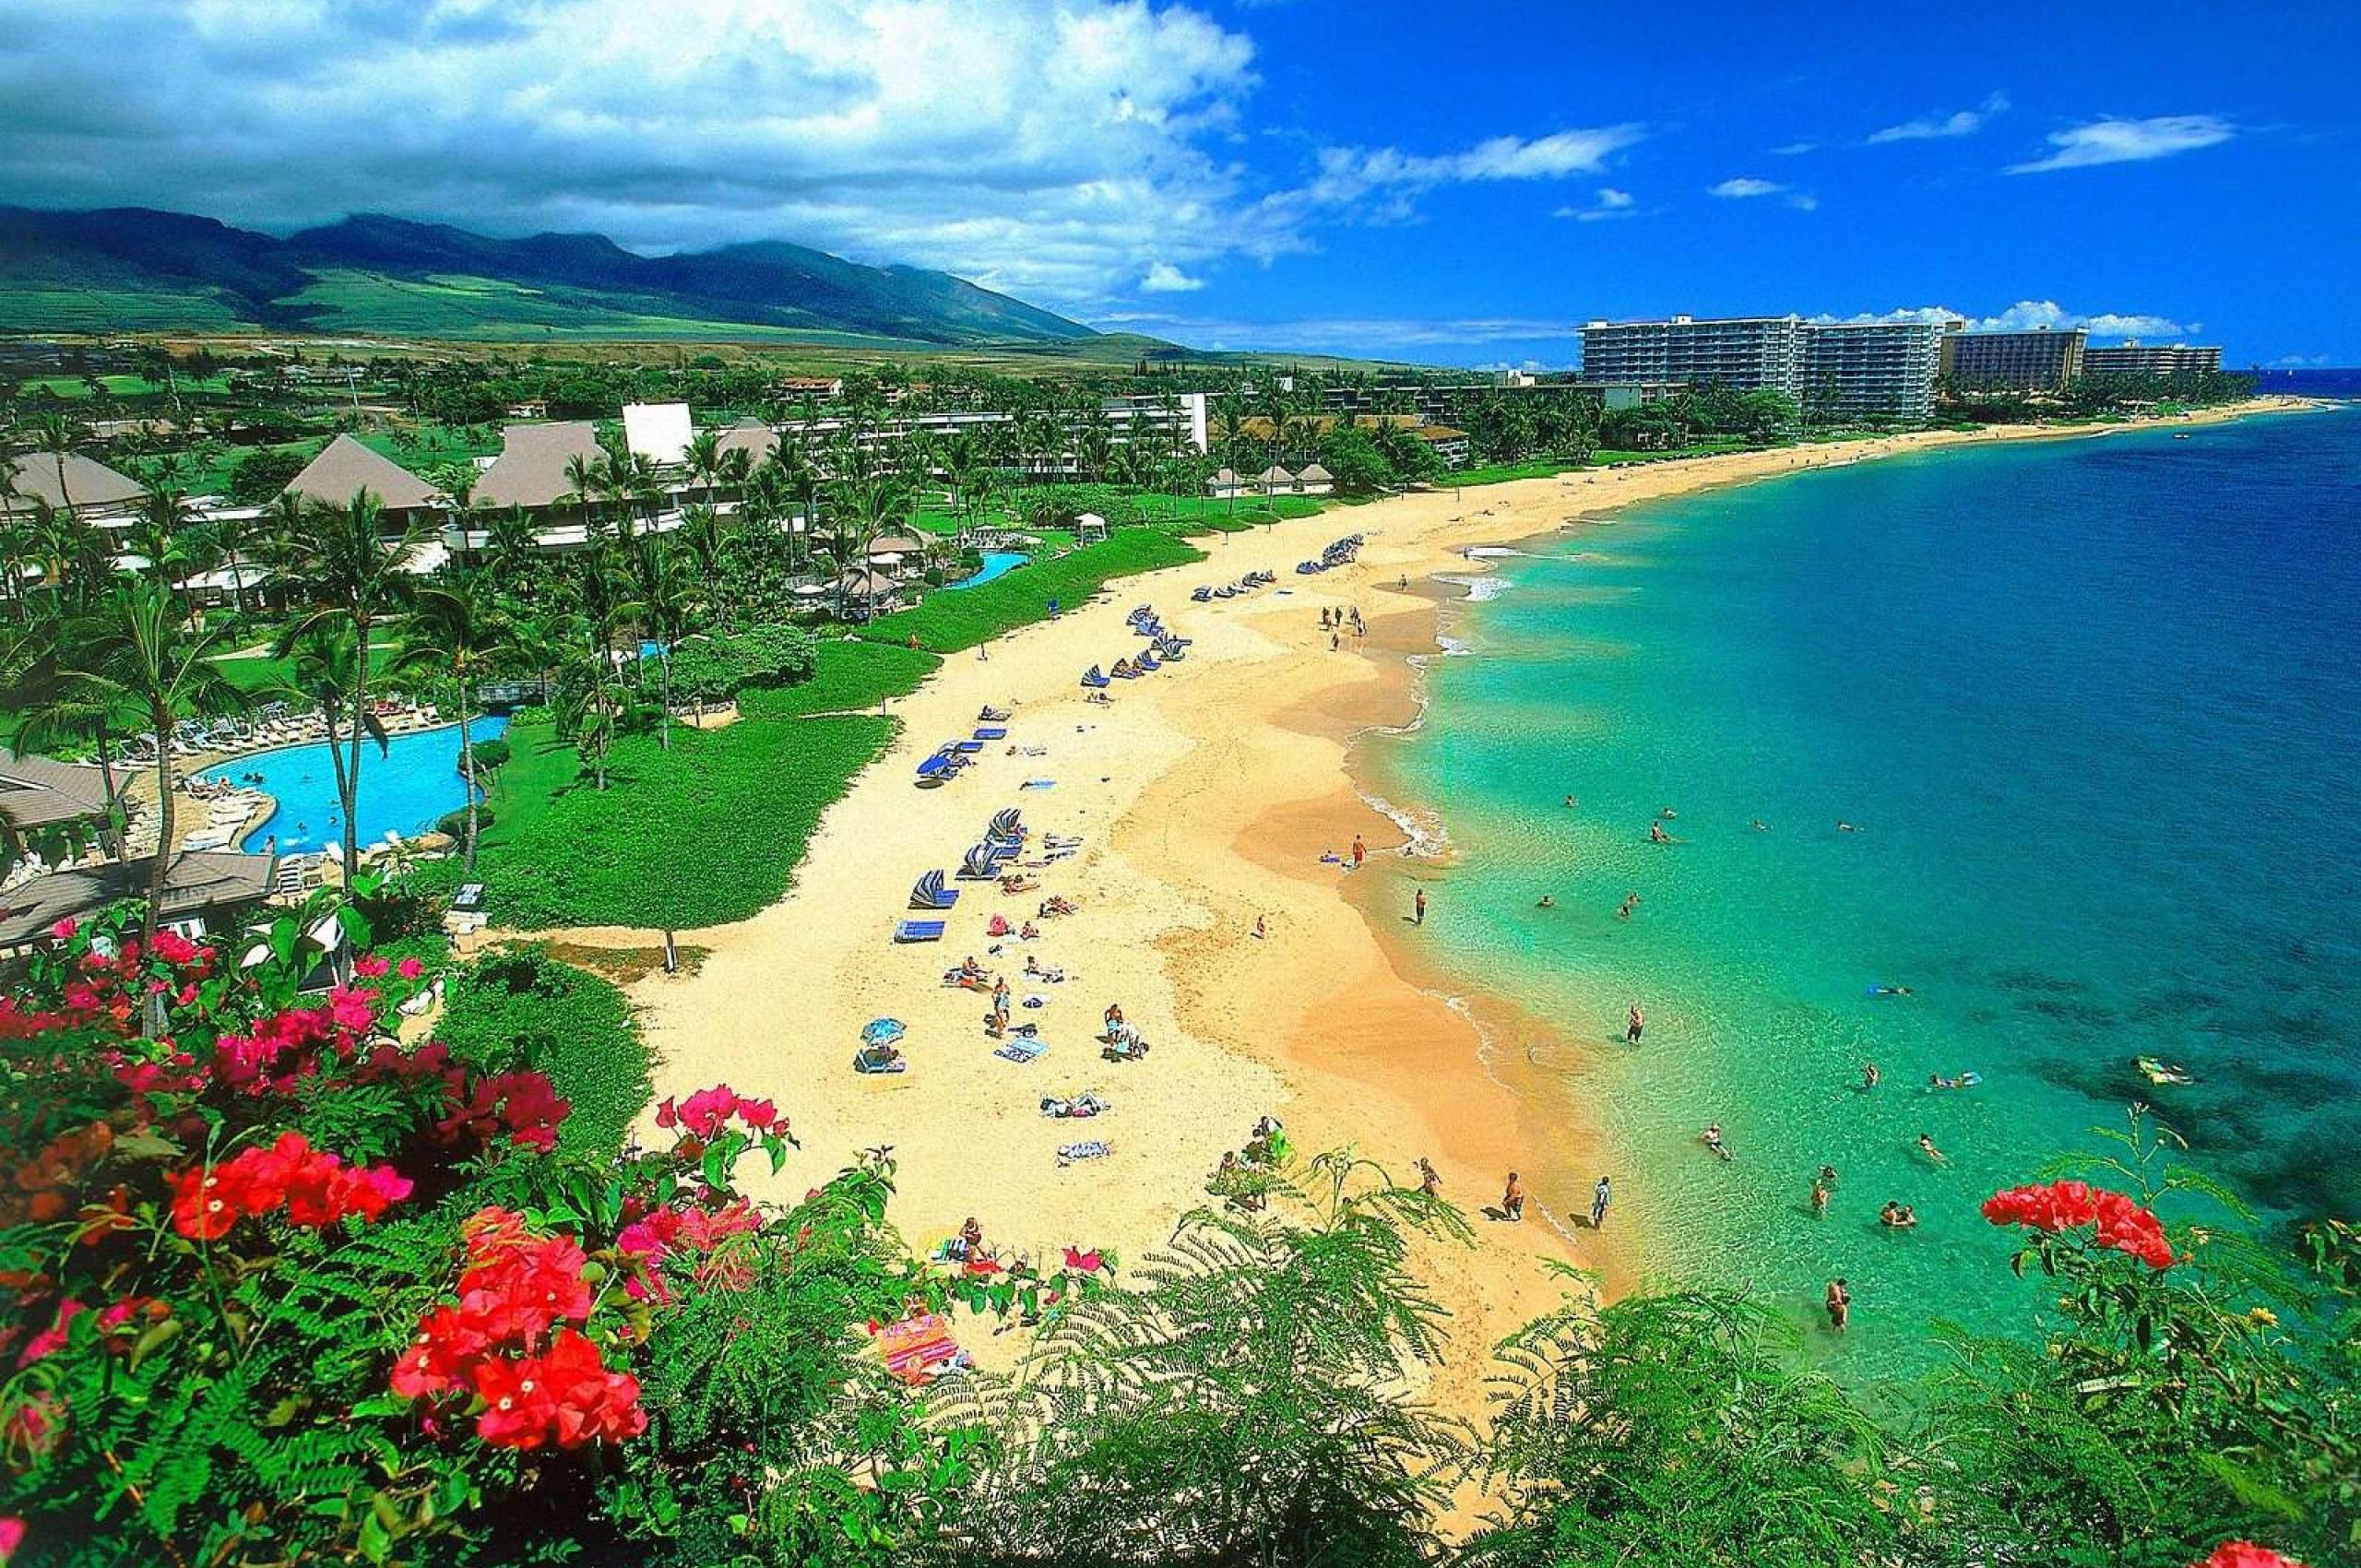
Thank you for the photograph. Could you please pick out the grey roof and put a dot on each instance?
(195, 882)
(1314, 474)
(752, 437)
(37, 792)
(530, 470)
(92, 482)
(869, 585)
(345, 466)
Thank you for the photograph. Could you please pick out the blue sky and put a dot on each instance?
(1454, 184)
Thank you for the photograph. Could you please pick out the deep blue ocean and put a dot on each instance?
(2094, 709)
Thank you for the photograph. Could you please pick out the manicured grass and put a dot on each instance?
(71, 387)
(851, 676)
(948, 622)
(524, 1009)
(707, 833)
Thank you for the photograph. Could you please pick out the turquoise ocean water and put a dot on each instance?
(2096, 709)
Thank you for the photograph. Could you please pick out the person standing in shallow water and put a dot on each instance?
(1513, 1198)
(1631, 1030)
(1418, 908)
(1840, 1304)
(1600, 1197)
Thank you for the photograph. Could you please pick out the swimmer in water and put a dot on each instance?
(1572, 803)
(1891, 990)
(1547, 902)
(1656, 834)
(1927, 1146)
(1819, 1200)
(1712, 1138)
(1631, 902)
(1869, 1075)
(1844, 826)
(1669, 815)
(1759, 825)
(1828, 1175)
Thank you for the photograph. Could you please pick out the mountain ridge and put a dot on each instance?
(143, 268)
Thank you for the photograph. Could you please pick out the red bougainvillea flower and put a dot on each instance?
(315, 1188)
(12, 1530)
(63, 930)
(368, 966)
(703, 1112)
(519, 1407)
(2245, 1554)
(409, 969)
(2120, 1223)
(591, 1403)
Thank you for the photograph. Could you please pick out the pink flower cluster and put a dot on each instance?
(701, 1232)
(703, 1112)
(2121, 1225)
(2245, 1554)
(112, 1320)
(316, 1189)
(536, 1386)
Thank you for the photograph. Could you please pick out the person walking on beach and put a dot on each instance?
(1360, 852)
(1600, 1197)
(1418, 908)
(1513, 1198)
(1260, 930)
(1840, 1304)
(1429, 1179)
(1631, 1028)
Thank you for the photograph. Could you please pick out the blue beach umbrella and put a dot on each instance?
(881, 1031)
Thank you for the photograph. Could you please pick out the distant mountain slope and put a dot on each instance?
(127, 267)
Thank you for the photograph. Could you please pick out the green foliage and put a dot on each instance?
(523, 1008)
(256, 479)
(707, 832)
(847, 676)
(488, 754)
(950, 622)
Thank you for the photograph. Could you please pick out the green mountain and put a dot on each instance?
(131, 268)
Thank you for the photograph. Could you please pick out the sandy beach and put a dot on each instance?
(1205, 796)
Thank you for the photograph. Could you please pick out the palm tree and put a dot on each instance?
(133, 647)
(161, 533)
(513, 546)
(666, 593)
(585, 484)
(705, 461)
(350, 575)
(56, 702)
(57, 433)
(458, 628)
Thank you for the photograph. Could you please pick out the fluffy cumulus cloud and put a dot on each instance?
(1935, 128)
(1072, 152)
(2027, 314)
(2128, 142)
(1744, 188)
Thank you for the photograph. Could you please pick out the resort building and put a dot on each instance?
(659, 432)
(1853, 368)
(345, 467)
(46, 804)
(531, 468)
(1879, 369)
(2158, 360)
(1746, 353)
(206, 891)
(1617, 396)
(2038, 361)
(78, 486)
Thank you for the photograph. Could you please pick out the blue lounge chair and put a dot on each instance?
(966, 748)
(1007, 823)
(992, 732)
(874, 1062)
(931, 894)
(1199, 596)
(1146, 663)
(982, 864)
(1095, 677)
(918, 930)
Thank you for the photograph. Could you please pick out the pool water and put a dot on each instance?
(405, 788)
(997, 564)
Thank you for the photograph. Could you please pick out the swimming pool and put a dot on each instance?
(406, 790)
(997, 564)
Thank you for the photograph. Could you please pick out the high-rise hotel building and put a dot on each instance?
(2038, 361)
(1885, 368)
(2159, 358)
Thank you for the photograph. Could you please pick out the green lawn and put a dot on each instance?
(851, 676)
(704, 834)
(70, 386)
(948, 622)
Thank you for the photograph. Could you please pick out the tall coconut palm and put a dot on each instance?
(133, 647)
(666, 594)
(705, 462)
(56, 702)
(457, 629)
(513, 545)
(350, 572)
(56, 435)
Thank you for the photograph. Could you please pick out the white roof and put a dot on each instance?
(657, 432)
(1091, 518)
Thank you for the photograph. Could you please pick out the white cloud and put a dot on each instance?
(2027, 314)
(1609, 203)
(1804, 201)
(2130, 141)
(2299, 361)
(1931, 127)
(1743, 187)
(1795, 149)
(1382, 184)
(1163, 277)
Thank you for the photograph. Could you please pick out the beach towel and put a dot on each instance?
(969, 747)
(918, 930)
(992, 732)
(1096, 1149)
(1021, 1050)
(920, 1348)
(1039, 784)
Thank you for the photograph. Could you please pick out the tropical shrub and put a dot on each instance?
(523, 1009)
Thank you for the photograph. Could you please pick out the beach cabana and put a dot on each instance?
(929, 893)
(982, 864)
(1089, 529)
(1094, 677)
(1314, 480)
(1008, 823)
(1276, 481)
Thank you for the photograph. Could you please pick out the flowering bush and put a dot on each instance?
(2120, 1223)
(2245, 1554)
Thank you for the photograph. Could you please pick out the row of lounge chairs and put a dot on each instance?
(1341, 553)
(1244, 585)
(1003, 840)
(1164, 648)
(953, 758)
